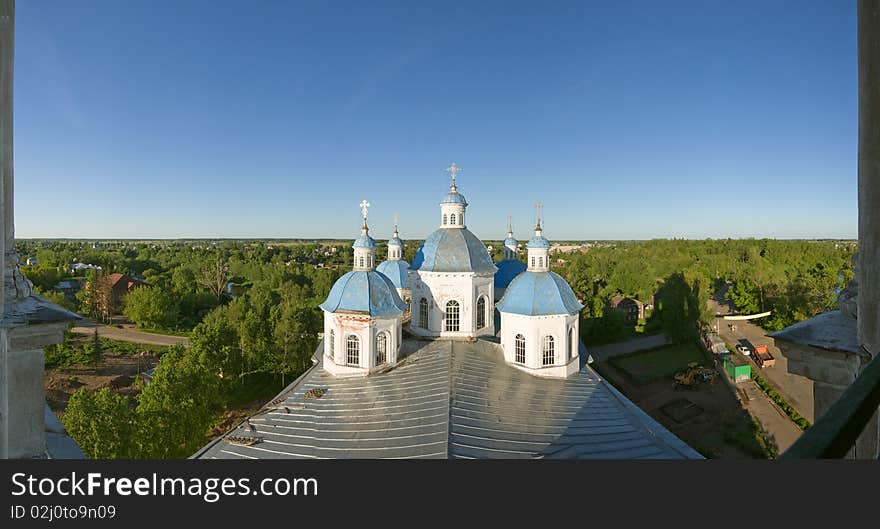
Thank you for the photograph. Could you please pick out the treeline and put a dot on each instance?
(794, 279)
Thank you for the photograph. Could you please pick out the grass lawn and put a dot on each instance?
(647, 366)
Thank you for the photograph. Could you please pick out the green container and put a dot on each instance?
(738, 370)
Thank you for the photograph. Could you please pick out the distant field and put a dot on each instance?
(647, 366)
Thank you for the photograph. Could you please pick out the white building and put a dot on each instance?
(452, 277)
(362, 315)
(396, 269)
(539, 317)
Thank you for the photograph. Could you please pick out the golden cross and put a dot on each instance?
(364, 205)
(538, 207)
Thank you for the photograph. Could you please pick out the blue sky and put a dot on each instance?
(628, 120)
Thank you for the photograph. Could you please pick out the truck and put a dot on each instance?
(763, 357)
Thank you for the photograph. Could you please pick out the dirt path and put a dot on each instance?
(128, 334)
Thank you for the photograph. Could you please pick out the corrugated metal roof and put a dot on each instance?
(453, 250)
(539, 294)
(452, 399)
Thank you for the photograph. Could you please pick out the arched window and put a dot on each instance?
(423, 313)
(572, 346)
(381, 348)
(332, 344)
(481, 312)
(444, 219)
(361, 262)
(352, 350)
(520, 347)
(533, 262)
(549, 357)
(541, 262)
(452, 219)
(452, 316)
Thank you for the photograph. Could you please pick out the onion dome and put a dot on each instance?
(539, 294)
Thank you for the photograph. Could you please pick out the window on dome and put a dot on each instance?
(481, 312)
(381, 348)
(549, 357)
(423, 313)
(444, 219)
(520, 347)
(352, 350)
(452, 316)
(452, 219)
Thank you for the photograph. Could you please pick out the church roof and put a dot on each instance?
(538, 241)
(396, 271)
(510, 241)
(364, 291)
(507, 270)
(364, 241)
(539, 294)
(451, 399)
(453, 197)
(453, 250)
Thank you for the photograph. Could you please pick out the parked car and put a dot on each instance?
(743, 349)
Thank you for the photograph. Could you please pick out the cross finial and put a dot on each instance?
(364, 206)
(396, 218)
(510, 224)
(538, 207)
(453, 170)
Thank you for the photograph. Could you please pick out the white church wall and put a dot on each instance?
(534, 329)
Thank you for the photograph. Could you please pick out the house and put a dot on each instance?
(632, 308)
(112, 288)
(31, 261)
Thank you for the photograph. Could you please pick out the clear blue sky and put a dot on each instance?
(274, 119)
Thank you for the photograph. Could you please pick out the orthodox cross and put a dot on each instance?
(453, 170)
(364, 205)
(538, 207)
(509, 224)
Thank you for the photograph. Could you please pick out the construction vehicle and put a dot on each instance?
(694, 375)
(763, 357)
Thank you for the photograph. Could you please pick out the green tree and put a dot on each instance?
(177, 407)
(151, 308)
(103, 424)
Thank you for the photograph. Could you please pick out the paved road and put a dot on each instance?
(797, 390)
(600, 353)
(128, 334)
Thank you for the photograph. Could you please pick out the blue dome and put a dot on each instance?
(507, 270)
(510, 241)
(453, 197)
(538, 241)
(365, 291)
(396, 272)
(364, 241)
(453, 250)
(395, 241)
(539, 294)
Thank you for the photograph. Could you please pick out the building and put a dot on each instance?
(450, 384)
(632, 308)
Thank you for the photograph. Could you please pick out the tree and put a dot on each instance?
(296, 329)
(177, 407)
(214, 275)
(103, 424)
(94, 351)
(151, 308)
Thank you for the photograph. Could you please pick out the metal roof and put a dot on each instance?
(450, 400)
(396, 271)
(538, 241)
(453, 197)
(364, 241)
(365, 291)
(507, 270)
(539, 294)
(453, 250)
